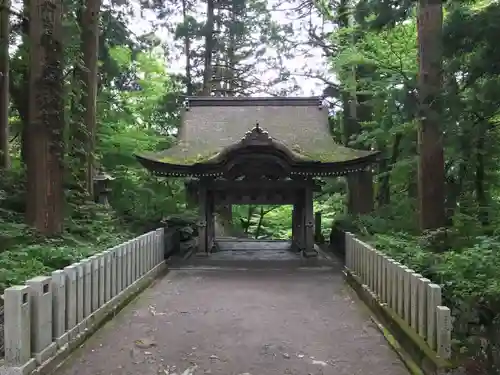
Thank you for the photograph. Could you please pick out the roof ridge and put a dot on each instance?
(244, 101)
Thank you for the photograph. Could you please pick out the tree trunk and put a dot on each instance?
(45, 194)
(479, 181)
(20, 94)
(259, 224)
(248, 222)
(209, 46)
(83, 111)
(431, 176)
(384, 190)
(90, 46)
(4, 84)
(187, 50)
(356, 108)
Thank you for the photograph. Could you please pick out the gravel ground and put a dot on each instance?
(205, 320)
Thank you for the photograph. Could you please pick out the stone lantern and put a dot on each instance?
(101, 187)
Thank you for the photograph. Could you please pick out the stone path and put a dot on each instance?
(253, 320)
(254, 250)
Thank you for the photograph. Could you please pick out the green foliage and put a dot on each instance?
(380, 47)
(137, 119)
(270, 222)
(132, 126)
(275, 222)
(25, 254)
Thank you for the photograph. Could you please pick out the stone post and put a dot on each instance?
(124, 262)
(101, 260)
(94, 287)
(443, 327)
(108, 278)
(140, 251)
(147, 248)
(130, 260)
(160, 232)
(422, 306)
(114, 272)
(433, 300)
(17, 331)
(71, 274)
(144, 254)
(87, 287)
(59, 333)
(42, 346)
(134, 244)
(119, 269)
(80, 296)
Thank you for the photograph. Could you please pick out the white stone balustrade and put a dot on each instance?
(50, 312)
(406, 293)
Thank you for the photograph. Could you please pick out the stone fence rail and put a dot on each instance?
(413, 298)
(49, 313)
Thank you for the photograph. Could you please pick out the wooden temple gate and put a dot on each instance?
(296, 192)
(231, 159)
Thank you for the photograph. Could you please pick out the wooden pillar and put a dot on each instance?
(296, 237)
(210, 221)
(318, 235)
(308, 222)
(298, 223)
(360, 193)
(202, 220)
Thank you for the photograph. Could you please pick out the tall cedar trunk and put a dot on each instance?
(209, 46)
(479, 182)
(4, 84)
(384, 190)
(347, 107)
(364, 113)
(431, 176)
(227, 83)
(356, 109)
(84, 100)
(45, 194)
(187, 50)
(231, 52)
(20, 94)
(90, 46)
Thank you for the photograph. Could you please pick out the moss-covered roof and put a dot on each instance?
(300, 126)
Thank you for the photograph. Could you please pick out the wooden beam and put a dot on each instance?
(261, 185)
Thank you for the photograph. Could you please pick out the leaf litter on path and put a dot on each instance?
(145, 343)
(189, 371)
(152, 310)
